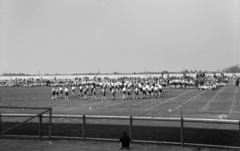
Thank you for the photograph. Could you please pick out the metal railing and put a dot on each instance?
(31, 116)
(130, 119)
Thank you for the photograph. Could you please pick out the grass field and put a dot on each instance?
(225, 101)
(193, 103)
(65, 145)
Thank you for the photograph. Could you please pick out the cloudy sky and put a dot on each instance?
(79, 36)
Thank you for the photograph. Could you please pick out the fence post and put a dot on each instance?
(50, 123)
(0, 124)
(40, 126)
(83, 128)
(130, 128)
(239, 130)
(182, 142)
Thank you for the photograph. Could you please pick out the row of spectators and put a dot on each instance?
(200, 81)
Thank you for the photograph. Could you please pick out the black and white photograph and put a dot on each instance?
(110, 75)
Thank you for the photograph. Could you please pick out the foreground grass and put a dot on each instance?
(70, 145)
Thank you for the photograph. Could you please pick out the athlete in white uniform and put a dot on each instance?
(104, 93)
(144, 92)
(129, 96)
(85, 92)
(57, 92)
(113, 93)
(73, 90)
(81, 90)
(66, 93)
(136, 92)
(160, 90)
(53, 91)
(61, 91)
(156, 91)
(94, 93)
(124, 92)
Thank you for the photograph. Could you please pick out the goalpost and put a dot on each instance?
(30, 117)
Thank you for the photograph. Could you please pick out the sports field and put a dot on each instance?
(217, 104)
(223, 102)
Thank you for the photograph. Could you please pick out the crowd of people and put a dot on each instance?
(201, 82)
(128, 87)
(31, 82)
(134, 88)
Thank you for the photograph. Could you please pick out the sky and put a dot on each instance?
(126, 36)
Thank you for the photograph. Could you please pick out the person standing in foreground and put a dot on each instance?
(125, 141)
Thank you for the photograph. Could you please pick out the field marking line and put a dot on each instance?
(157, 101)
(93, 103)
(126, 101)
(207, 105)
(189, 100)
(134, 110)
(117, 104)
(143, 102)
(114, 110)
(99, 101)
(167, 101)
(233, 101)
(177, 107)
(114, 104)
